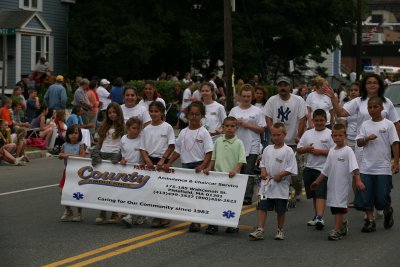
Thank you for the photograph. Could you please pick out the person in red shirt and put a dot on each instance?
(5, 113)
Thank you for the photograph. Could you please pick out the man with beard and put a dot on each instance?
(290, 110)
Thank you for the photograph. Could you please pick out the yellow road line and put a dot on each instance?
(115, 245)
(248, 209)
(129, 248)
(139, 245)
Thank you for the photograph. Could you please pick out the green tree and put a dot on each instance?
(139, 39)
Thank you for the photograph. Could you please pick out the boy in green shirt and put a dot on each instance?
(228, 156)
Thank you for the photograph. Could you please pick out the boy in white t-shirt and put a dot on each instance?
(278, 163)
(377, 136)
(130, 151)
(316, 143)
(340, 167)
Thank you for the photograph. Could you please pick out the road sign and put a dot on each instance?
(7, 31)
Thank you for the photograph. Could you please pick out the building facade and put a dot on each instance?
(36, 28)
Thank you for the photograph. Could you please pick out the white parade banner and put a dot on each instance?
(181, 194)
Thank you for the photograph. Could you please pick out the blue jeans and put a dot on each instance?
(376, 193)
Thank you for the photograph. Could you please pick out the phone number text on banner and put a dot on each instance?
(181, 194)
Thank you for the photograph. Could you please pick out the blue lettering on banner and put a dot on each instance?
(126, 180)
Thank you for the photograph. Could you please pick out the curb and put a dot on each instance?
(37, 154)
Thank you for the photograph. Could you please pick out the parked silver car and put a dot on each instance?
(393, 93)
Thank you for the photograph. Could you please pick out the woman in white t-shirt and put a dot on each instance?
(318, 100)
(150, 95)
(215, 112)
(371, 85)
(251, 123)
(132, 109)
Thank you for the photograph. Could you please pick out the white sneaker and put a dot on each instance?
(78, 218)
(19, 161)
(127, 220)
(378, 214)
(139, 220)
(67, 216)
(279, 235)
(258, 234)
(312, 222)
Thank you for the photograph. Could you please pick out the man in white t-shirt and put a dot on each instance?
(187, 97)
(290, 110)
(104, 96)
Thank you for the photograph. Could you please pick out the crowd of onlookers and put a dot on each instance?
(23, 115)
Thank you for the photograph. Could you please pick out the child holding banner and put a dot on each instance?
(194, 145)
(130, 151)
(71, 147)
(228, 156)
(278, 163)
(109, 147)
(158, 142)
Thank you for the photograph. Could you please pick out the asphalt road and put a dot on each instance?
(31, 234)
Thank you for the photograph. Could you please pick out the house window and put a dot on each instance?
(41, 46)
(34, 5)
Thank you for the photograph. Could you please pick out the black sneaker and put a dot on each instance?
(369, 226)
(388, 221)
(231, 230)
(247, 202)
(212, 229)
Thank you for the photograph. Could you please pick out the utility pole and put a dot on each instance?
(228, 53)
(3, 73)
(359, 40)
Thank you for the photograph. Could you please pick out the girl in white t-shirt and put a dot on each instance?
(130, 152)
(318, 100)
(351, 121)
(260, 97)
(251, 123)
(215, 112)
(378, 137)
(194, 146)
(132, 109)
(150, 95)
(109, 148)
(158, 143)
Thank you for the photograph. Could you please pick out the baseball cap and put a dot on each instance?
(283, 79)
(59, 78)
(104, 81)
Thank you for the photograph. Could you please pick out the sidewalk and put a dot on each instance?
(37, 153)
